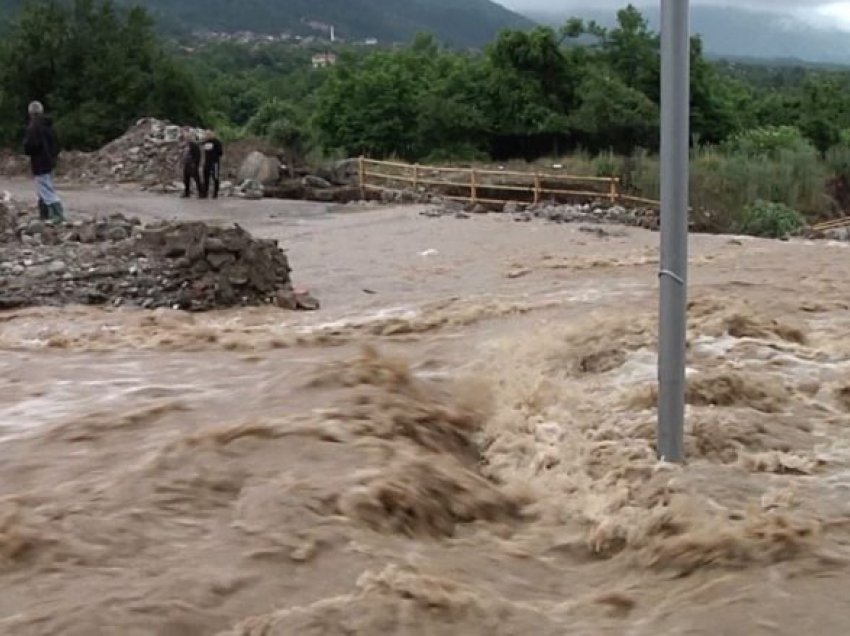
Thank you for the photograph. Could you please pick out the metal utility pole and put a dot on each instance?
(675, 135)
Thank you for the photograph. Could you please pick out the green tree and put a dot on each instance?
(369, 107)
(614, 115)
(96, 68)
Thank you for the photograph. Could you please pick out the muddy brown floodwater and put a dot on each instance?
(459, 442)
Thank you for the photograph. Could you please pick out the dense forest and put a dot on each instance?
(778, 134)
(462, 23)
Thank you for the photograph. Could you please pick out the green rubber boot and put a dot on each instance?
(57, 213)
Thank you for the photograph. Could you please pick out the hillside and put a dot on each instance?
(741, 33)
(465, 23)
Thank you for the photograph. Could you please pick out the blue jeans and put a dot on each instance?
(46, 190)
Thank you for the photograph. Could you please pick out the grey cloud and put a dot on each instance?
(561, 5)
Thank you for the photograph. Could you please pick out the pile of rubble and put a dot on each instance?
(13, 164)
(117, 261)
(553, 212)
(148, 153)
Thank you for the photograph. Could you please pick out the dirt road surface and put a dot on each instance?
(459, 442)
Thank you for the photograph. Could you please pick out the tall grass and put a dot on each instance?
(723, 184)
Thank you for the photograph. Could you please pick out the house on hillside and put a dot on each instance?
(321, 60)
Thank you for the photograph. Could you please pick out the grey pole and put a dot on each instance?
(675, 133)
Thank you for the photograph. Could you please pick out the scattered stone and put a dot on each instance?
(227, 189)
(601, 232)
(285, 299)
(117, 233)
(346, 172)
(561, 213)
(251, 189)
(311, 181)
(36, 226)
(518, 273)
(296, 300)
(305, 301)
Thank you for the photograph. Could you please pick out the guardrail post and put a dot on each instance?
(473, 186)
(537, 188)
(361, 171)
(416, 176)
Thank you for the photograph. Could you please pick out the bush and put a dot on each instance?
(771, 219)
(607, 165)
(770, 142)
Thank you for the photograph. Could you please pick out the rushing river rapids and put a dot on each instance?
(459, 442)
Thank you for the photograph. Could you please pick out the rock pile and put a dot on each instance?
(586, 213)
(117, 261)
(10, 216)
(148, 153)
(13, 164)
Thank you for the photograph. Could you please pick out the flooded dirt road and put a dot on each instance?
(459, 442)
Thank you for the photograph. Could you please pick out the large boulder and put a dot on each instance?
(261, 168)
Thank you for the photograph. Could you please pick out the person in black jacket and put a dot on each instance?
(191, 166)
(41, 145)
(213, 152)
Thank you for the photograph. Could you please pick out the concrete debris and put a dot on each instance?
(117, 261)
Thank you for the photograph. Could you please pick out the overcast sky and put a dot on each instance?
(827, 12)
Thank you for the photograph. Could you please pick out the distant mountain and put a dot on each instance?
(740, 33)
(464, 23)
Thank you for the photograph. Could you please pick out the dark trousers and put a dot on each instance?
(212, 171)
(190, 172)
